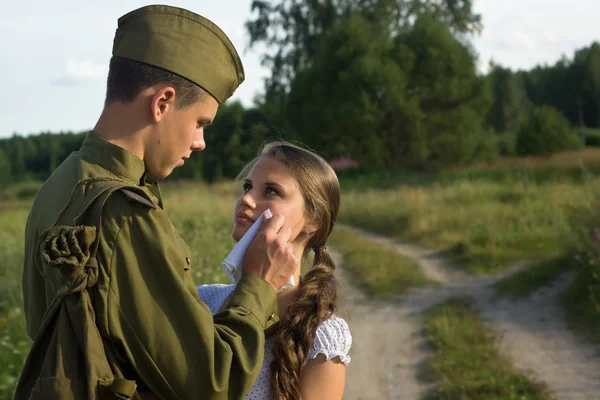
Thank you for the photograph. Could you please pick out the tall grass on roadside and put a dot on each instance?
(203, 216)
(378, 270)
(483, 226)
(588, 157)
(14, 343)
(582, 313)
(465, 363)
(571, 166)
(542, 274)
(582, 299)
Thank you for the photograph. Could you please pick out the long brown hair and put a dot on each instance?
(316, 297)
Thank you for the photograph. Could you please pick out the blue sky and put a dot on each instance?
(54, 53)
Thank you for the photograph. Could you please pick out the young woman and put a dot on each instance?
(306, 352)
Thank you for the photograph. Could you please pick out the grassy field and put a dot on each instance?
(571, 166)
(379, 271)
(203, 215)
(482, 224)
(465, 362)
(14, 342)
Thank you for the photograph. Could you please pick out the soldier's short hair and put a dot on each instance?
(127, 79)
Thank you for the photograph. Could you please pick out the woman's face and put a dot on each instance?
(270, 185)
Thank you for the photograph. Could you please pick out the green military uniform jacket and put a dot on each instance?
(138, 292)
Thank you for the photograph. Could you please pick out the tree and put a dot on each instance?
(292, 29)
(339, 104)
(16, 153)
(411, 100)
(452, 98)
(234, 139)
(510, 102)
(559, 86)
(5, 172)
(545, 132)
(590, 58)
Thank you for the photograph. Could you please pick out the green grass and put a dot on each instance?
(542, 274)
(384, 179)
(465, 363)
(482, 226)
(583, 315)
(483, 216)
(378, 270)
(570, 166)
(14, 343)
(203, 215)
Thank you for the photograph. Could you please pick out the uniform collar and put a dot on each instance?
(116, 159)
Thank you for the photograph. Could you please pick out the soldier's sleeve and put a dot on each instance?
(167, 334)
(34, 288)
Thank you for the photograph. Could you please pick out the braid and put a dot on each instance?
(314, 302)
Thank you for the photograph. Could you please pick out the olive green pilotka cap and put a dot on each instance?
(183, 43)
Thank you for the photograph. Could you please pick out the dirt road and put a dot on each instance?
(389, 347)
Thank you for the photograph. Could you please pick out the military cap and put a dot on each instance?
(183, 43)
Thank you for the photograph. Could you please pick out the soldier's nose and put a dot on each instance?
(198, 145)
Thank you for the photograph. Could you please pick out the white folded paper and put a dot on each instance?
(232, 264)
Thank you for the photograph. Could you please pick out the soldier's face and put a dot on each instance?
(270, 185)
(181, 133)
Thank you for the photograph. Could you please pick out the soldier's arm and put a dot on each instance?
(34, 288)
(166, 333)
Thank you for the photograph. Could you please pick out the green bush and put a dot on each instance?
(592, 137)
(546, 131)
(487, 147)
(25, 190)
(507, 144)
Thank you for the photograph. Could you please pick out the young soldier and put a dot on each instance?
(109, 299)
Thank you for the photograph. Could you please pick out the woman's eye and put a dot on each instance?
(247, 187)
(272, 191)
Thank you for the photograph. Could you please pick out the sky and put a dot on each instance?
(54, 53)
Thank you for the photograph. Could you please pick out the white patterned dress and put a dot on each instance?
(333, 339)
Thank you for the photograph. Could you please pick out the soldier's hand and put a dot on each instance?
(270, 256)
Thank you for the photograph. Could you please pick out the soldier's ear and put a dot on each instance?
(162, 102)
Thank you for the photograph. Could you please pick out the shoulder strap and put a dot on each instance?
(95, 194)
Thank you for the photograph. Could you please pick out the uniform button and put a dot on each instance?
(271, 316)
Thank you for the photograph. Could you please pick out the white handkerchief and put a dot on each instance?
(232, 264)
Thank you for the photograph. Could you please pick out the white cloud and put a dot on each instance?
(82, 71)
(550, 37)
(524, 39)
